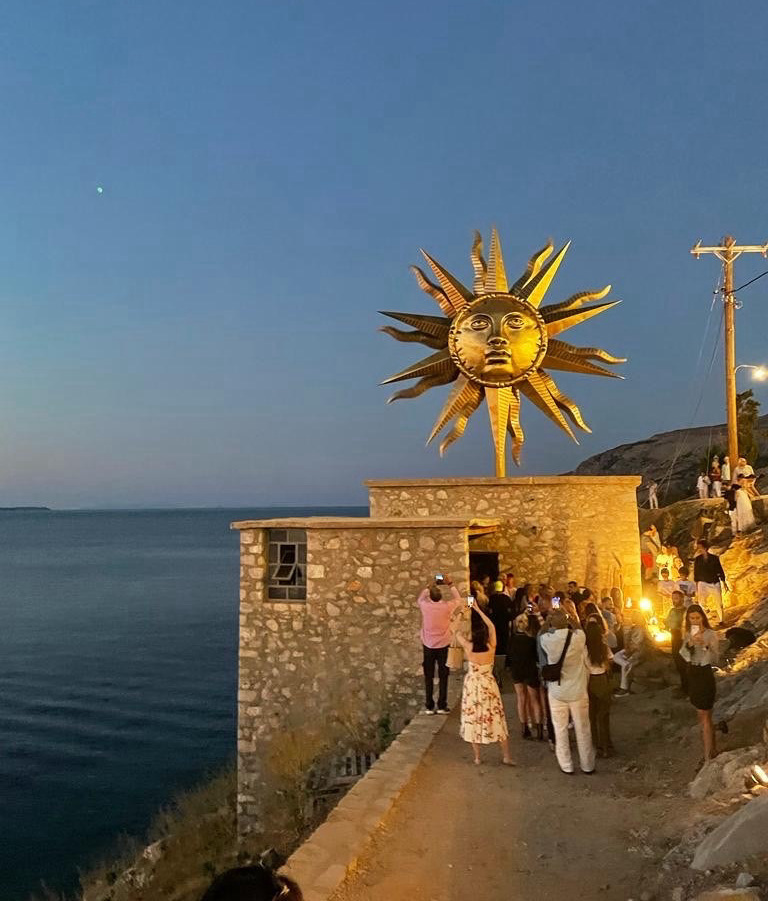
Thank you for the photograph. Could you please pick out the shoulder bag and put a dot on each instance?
(552, 672)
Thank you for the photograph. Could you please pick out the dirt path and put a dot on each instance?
(494, 833)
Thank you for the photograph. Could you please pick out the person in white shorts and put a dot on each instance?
(709, 576)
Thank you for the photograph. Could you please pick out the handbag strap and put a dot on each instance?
(565, 647)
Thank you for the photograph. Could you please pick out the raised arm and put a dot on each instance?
(491, 627)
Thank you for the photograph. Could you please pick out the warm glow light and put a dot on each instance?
(645, 604)
(662, 637)
(761, 373)
(759, 774)
(628, 602)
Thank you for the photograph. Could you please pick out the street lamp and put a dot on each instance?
(758, 372)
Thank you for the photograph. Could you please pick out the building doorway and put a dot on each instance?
(482, 564)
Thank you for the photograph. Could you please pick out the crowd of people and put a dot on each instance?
(567, 653)
(738, 488)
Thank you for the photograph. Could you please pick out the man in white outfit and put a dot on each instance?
(568, 697)
(702, 486)
(653, 500)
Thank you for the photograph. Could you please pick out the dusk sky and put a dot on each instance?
(203, 331)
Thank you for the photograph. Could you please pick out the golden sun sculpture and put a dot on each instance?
(496, 343)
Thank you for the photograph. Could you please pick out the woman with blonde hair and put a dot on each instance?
(482, 713)
(523, 663)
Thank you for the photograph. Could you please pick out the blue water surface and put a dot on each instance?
(118, 667)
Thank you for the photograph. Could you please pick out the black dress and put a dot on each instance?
(522, 659)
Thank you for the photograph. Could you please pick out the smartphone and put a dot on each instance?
(555, 603)
(439, 578)
(695, 630)
(470, 601)
(529, 608)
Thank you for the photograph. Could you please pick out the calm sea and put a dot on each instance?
(118, 663)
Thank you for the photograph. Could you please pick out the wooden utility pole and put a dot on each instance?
(728, 252)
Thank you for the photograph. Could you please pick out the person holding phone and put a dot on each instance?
(438, 604)
(701, 651)
(483, 721)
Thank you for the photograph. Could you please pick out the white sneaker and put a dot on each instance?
(429, 712)
(443, 711)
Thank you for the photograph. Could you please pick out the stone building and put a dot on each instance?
(328, 623)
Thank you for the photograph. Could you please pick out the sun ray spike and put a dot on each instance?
(431, 381)
(556, 347)
(437, 364)
(537, 287)
(410, 337)
(464, 395)
(561, 363)
(478, 263)
(456, 432)
(559, 322)
(495, 277)
(499, 401)
(565, 403)
(434, 291)
(453, 289)
(534, 265)
(575, 301)
(536, 391)
(514, 427)
(437, 326)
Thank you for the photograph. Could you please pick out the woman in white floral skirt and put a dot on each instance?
(482, 714)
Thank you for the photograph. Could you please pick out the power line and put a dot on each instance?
(747, 284)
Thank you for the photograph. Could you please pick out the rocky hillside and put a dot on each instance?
(672, 459)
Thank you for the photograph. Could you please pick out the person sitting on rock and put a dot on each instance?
(636, 644)
(254, 883)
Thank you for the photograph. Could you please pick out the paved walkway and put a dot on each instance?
(529, 832)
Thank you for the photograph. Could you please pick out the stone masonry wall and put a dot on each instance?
(555, 528)
(351, 650)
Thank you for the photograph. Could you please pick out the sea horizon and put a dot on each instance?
(118, 674)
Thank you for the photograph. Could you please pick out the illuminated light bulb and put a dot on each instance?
(662, 636)
(645, 604)
(761, 373)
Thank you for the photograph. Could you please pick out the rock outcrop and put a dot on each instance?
(673, 459)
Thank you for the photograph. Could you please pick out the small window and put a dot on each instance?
(287, 575)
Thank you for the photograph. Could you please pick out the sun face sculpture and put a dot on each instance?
(496, 343)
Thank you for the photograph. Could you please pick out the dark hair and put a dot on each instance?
(573, 583)
(480, 637)
(695, 608)
(590, 608)
(597, 649)
(255, 883)
(534, 626)
(435, 594)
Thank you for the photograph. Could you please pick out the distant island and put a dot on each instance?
(21, 509)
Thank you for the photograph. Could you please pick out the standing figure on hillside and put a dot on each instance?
(742, 468)
(565, 650)
(745, 518)
(729, 495)
(653, 500)
(725, 470)
(715, 477)
(685, 585)
(482, 714)
(674, 623)
(437, 615)
(700, 649)
(599, 660)
(702, 486)
(709, 576)
(636, 644)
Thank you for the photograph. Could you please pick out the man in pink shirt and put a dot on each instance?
(437, 603)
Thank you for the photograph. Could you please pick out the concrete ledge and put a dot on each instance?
(365, 522)
(331, 853)
(628, 481)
